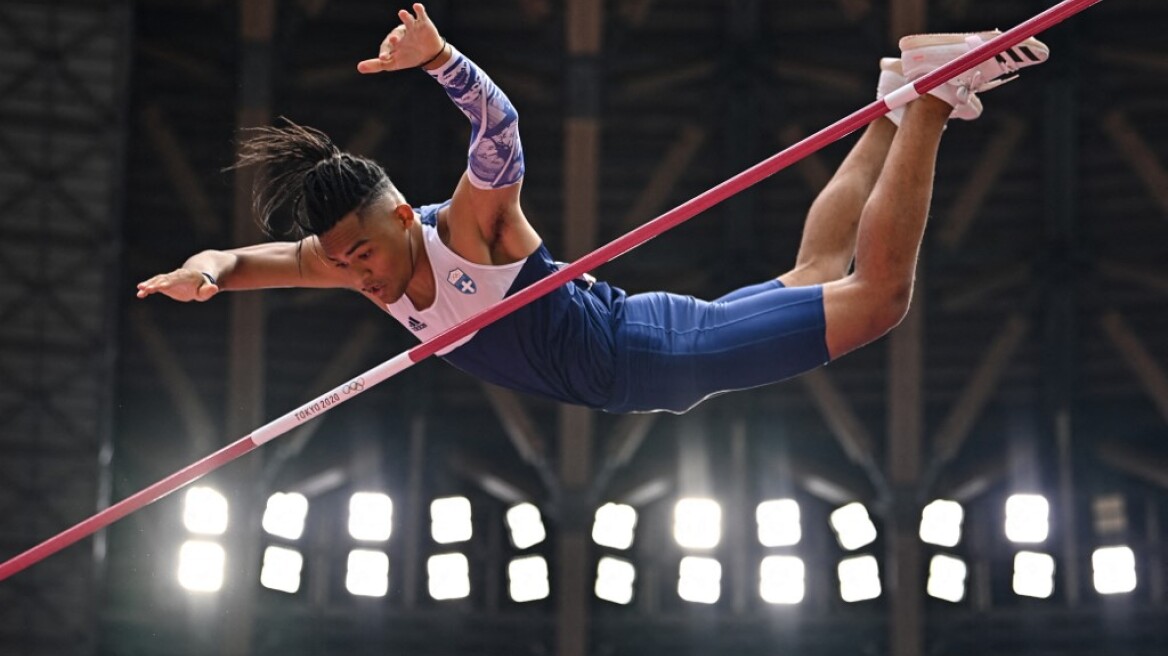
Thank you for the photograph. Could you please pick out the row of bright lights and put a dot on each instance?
(697, 525)
(201, 567)
(370, 517)
(782, 579)
(697, 522)
(202, 563)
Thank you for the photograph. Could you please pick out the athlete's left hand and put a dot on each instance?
(410, 44)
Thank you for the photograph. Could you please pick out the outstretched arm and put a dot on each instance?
(262, 266)
(496, 155)
(489, 193)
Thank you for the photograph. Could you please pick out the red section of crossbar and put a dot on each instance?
(606, 253)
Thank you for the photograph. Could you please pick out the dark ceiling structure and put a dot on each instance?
(1035, 358)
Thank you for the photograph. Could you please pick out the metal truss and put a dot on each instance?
(62, 98)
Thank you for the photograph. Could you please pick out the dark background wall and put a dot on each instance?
(1035, 359)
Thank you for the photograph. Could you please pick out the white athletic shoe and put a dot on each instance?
(892, 78)
(923, 53)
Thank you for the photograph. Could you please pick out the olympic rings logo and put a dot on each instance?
(355, 386)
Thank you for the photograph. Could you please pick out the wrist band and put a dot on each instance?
(431, 60)
(210, 278)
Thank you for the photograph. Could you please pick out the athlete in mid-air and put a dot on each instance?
(588, 342)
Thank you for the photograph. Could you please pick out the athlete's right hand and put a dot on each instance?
(410, 44)
(181, 284)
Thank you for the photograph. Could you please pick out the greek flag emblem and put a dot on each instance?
(461, 281)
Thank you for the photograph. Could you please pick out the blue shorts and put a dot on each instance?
(674, 351)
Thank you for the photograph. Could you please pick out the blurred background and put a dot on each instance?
(990, 478)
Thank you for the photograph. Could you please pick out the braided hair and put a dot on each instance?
(306, 184)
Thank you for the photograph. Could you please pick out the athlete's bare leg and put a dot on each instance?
(829, 233)
(875, 297)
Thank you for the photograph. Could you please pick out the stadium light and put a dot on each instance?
(697, 523)
(449, 576)
(782, 580)
(281, 569)
(1115, 570)
(1027, 518)
(526, 526)
(941, 523)
(615, 526)
(528, 578)
(614, 580)
(367, 574)
(699, 580)
(200, 566)
(778, 523)
(370, 516)
(284, 515)
(450, 520)
(1033, 574)
(853, 527)
(205, 511)
(859, 578)
(947, 578)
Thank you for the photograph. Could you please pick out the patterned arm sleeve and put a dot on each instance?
(495, 159)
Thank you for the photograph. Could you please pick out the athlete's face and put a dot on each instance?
(375, 250)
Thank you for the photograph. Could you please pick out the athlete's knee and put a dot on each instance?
(858, 312)
(892, 303)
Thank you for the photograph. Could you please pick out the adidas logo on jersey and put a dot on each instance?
(416, 325)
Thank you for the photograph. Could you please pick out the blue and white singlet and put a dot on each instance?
(591, 344)
(559, 346)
